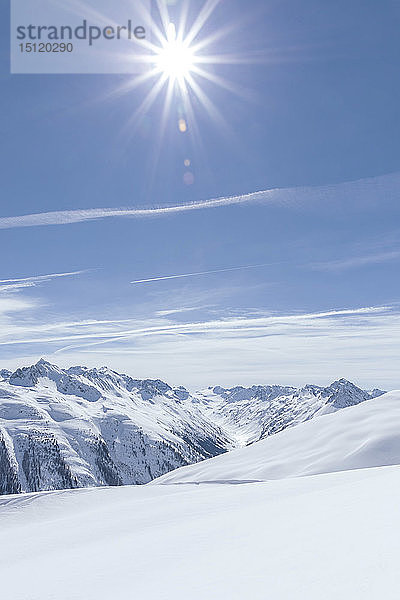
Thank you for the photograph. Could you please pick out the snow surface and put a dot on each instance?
(206, 534)
(323, 537)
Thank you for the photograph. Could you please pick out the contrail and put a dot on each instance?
(12, 285)
(164, 277)
(35, 278)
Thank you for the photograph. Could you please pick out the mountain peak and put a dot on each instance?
(342, 382)
(29, 376)
(343, 393)
(42, 361)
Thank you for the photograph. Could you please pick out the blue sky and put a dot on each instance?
(313, 116)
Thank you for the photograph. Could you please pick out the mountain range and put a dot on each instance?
(81, 427)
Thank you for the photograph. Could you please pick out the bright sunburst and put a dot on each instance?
(181, 60)
(175, 58)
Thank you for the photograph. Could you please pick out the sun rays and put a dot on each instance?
(180, 60)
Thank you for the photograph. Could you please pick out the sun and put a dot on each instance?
(175, 59)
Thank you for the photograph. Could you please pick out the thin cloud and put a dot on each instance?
(232, 349)
(66, 217)
(165, 277)
(10, 285)
(99, 335)
(178, 311)
(10, 305)
(357, 261)
(37, 278)
(366, 191)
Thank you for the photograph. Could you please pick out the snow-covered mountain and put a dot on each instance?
(250, 414)
(79, 427)
(358, 437)
(83, 427)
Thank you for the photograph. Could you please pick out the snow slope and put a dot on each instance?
(356, 437)
(322, 537)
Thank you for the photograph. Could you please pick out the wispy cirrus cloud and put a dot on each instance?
(178, 311)
(11, 304)
(66, 217)
(366, 191)
(357, 261)
(92, 332)
(227, 349)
